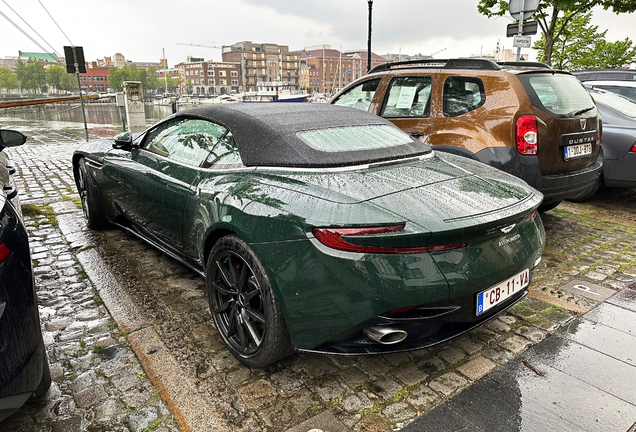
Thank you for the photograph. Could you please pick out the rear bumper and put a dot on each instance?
(16, 393)
(455, 318)
(11, 404)
(555, 187)
(620, 173)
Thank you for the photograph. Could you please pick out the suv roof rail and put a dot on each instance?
(524, 64)
(460, 63)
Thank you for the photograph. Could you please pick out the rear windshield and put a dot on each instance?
(355, 138)
(628, 92)
(558, 94)
(619, 103)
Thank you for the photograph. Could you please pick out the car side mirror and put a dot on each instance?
(11, 138)
(123, 141)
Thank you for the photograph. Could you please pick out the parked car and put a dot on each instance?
(524, 118)
(619, 138)
(319, 228)
(623, 88)
(24, 369)
(606, 75)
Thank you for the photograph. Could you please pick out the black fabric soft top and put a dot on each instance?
(266, 133)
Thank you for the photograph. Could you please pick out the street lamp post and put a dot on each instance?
(369, 40)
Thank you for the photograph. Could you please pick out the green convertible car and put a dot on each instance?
(319, 228)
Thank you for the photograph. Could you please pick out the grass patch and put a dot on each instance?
(81, 275)
(98, 348)
(401, 395)
(34, 210)
(78, 202)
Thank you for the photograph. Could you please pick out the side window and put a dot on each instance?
(187, 141)
(462, 95)
(359, 96)
(224, 155)
(408, 97)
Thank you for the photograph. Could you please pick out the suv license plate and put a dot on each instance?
(578, 151)
(499, 293)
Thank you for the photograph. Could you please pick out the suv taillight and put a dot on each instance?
(527, 135)
(4, 253)
(633, 149)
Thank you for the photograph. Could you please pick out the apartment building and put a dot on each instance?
(264, 62)
(331, 70)
(210, 77)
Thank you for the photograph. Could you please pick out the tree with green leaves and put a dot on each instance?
(173, 84)
(56, 76)
(150, 83)
(8, 79)
(31, 74)
(549, 12)
(581, 46)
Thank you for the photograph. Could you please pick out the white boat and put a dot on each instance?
(220, 99)
(276, 91)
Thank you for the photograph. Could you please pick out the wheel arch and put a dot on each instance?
(214, 236)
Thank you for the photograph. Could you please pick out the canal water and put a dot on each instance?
(103, 120)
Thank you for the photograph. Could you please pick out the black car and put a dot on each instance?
(24, 369)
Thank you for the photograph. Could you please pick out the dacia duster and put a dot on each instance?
(524, 118)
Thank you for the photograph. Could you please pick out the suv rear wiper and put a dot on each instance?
(583, 111)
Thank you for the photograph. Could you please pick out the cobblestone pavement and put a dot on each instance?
(590, 254)
(98, 383)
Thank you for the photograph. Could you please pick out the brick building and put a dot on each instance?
(264, 63)
(210, 77)
(96, 78)
(330, 69)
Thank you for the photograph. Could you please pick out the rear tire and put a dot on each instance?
(93, 213)
(545, 207)
(243, 304)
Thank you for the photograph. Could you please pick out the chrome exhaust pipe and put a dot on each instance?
(385, 335)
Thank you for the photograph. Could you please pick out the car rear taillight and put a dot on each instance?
(332, 237)
(4, 253)
(527, 135)
(633, 149)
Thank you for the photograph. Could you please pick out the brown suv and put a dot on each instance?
(524, 118)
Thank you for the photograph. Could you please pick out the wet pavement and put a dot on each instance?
(580, 379)
(161, 310)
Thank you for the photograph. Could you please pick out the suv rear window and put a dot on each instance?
(558, 94)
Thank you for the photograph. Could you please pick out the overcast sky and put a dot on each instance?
(139, 29)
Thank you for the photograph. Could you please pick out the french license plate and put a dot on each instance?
(499, 293)
(578, 150)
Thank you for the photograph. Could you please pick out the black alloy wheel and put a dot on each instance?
(238, 303)
(243, 305)
(91, 208)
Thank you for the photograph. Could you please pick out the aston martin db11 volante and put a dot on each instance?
(319, 228)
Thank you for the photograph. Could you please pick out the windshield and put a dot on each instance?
(560, 94)
(616, 102)
(355, 138)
